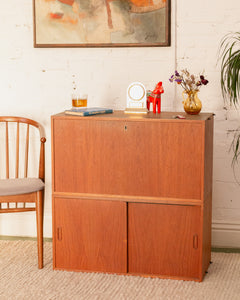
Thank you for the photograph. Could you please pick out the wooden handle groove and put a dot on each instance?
(195, 241)
(59, 233)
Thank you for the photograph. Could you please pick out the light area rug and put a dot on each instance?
(21, 279)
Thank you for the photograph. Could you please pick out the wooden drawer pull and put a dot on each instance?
(59, 233)
(195, 241)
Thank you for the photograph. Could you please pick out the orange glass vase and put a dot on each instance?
(191, 103)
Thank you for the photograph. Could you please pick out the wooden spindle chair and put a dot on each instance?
(21, 186)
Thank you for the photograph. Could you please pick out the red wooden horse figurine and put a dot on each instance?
(155, 97)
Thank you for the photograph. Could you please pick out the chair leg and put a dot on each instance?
(39, 217)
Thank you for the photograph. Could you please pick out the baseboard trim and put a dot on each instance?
(27, 238)
(19, 224)
(225, 235)
(22, 238)
(226, 250)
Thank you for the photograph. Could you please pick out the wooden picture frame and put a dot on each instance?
(101, 23)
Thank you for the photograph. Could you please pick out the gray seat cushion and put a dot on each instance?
(20, 186)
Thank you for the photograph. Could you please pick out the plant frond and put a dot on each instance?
(230, 67)
(235, 147)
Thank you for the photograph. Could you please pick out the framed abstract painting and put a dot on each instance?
(101, 23)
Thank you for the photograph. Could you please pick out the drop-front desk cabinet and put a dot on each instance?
(132, 194)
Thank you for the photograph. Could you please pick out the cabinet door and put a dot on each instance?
(90, 235)
(138, 158)
(164, 240)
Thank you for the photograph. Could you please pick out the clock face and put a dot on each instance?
(136, 92)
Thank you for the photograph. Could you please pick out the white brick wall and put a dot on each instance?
(37, 83)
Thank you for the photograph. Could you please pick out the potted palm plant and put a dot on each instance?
(230, 79)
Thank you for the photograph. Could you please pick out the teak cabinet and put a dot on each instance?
(132, 194)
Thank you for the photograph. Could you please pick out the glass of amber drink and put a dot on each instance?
(79, 101)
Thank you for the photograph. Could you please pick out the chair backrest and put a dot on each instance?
(21, 148)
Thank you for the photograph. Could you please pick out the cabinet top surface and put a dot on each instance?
(121, 115)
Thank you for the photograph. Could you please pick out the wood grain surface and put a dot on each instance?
(128, 158)
(90, 235)
(132, 194)
(164, 239)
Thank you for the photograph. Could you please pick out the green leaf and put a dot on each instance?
(235, 146)
(230, 67)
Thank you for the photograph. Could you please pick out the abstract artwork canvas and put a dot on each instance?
(101, 23)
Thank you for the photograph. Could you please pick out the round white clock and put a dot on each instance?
(136, 98)
(136, 91)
